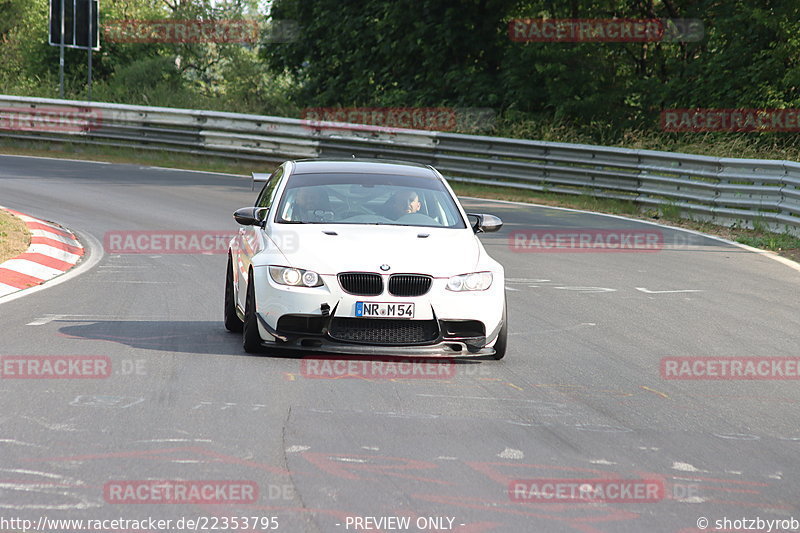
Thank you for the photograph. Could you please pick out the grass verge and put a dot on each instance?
(14, 236)
(785, 245)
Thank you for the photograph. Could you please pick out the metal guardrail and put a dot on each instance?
(723, 190)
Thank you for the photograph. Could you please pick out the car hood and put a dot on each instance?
(334, 248)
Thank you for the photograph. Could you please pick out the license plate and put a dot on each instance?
(384, 310)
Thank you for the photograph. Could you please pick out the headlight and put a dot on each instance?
(477, 281)
(294, 277)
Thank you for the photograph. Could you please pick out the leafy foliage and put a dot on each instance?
(435, 53)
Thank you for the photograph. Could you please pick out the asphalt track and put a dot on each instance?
(579, 395)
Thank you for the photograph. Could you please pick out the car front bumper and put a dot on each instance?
(457, 323)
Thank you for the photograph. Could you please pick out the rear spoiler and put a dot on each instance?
(259, 178)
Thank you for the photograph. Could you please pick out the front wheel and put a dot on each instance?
(500, 344)
(251, 339)
(232, 320)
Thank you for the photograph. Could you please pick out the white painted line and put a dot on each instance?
(174, 440)
(94, 252)
(55, 159)
(587, 289)
(55, 253)
(54, 227)
(35, 267)
(133, 282)
(44, 320)
(126, 164)
(20, 443)
(561, 330)
(95, 318)
(32, 268)
(772, 255)
(7, 289)
(54, 236)
(542, 402)
(646, 291)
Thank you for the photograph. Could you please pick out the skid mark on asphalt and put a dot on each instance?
(654, 391)
(391, 469)
(25, 489)
(480, 480)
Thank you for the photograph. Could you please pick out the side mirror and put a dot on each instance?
(485, 223)
(249, 216)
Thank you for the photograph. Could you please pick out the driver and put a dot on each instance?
(309, 204)
(404, 203)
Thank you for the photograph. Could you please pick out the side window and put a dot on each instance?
(268, 192)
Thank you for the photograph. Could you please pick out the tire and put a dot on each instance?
(251, 339)
(232, 320)
(501, 344)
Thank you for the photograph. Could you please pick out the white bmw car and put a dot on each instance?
(364, 257)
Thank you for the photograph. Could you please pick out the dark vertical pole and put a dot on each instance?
(90, 42)
(61, 55)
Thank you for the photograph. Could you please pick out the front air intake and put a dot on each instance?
(361, 283)
(409, 284)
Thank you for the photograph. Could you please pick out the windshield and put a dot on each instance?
(368, 199)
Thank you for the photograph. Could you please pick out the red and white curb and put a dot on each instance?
(53, 251)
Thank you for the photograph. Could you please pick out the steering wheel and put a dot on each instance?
(417, 219)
